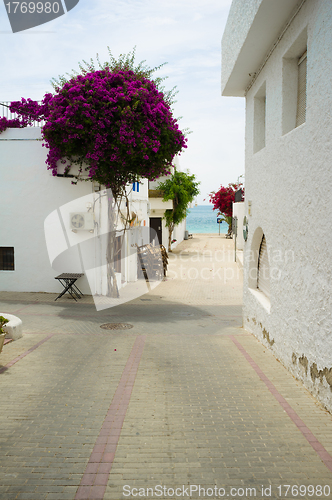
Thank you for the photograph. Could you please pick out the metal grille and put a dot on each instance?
(302, 90)
(116, 326)
(7, 259)
(263, 280)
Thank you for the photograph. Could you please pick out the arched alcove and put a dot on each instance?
(263, 269)
(259, 269)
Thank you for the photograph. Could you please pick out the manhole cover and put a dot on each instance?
(116, 326)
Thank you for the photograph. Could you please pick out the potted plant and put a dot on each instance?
(3, 321)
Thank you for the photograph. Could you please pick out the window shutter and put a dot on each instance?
(302, 90)
(263, 280)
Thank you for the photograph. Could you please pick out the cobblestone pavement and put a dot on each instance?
(186, 404)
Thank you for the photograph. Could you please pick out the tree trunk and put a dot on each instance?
(112, 286)
(170, 231)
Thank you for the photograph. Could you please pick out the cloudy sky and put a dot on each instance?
(184, 33)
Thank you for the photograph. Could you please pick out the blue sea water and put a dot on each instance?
(202, 219)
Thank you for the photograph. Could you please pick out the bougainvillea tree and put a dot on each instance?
(222, 201)
(115, 122)
(115, 125)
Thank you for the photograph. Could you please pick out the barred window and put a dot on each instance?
(7, 259)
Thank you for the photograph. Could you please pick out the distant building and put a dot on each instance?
(157, 211)
(278, 55)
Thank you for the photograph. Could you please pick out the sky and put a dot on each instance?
(186, 34)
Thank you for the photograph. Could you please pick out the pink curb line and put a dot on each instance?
(11, 363)
(94, 481)
(312, 440)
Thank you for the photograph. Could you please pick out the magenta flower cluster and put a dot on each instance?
(5, 123)
(116, 125)
(29, 111)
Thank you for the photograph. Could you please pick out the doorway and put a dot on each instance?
(156, 230)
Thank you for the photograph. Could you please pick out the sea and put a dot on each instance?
(202, 219)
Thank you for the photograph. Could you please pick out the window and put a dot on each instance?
(7, 259)
(136, 186)
(301, 90)
(259, 118)
(263, 275)
(294, 84)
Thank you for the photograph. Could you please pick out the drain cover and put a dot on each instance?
(116, 326)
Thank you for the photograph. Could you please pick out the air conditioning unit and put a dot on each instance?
(82, 221)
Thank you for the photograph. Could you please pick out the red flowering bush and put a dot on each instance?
(222, 201)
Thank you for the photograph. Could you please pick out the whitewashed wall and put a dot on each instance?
(30, 194)
(288, 183)
(239, 212)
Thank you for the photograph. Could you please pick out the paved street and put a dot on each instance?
(185, 404)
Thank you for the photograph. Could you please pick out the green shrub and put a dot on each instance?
(3, 321)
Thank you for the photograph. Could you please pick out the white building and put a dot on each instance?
(278, 55)
(157, 212)
(238, 211)
(35, 205)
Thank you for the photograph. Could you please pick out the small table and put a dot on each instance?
(68, 280)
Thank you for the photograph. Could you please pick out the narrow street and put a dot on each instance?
(184, 404)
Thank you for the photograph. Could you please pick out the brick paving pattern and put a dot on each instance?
(186, 404)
